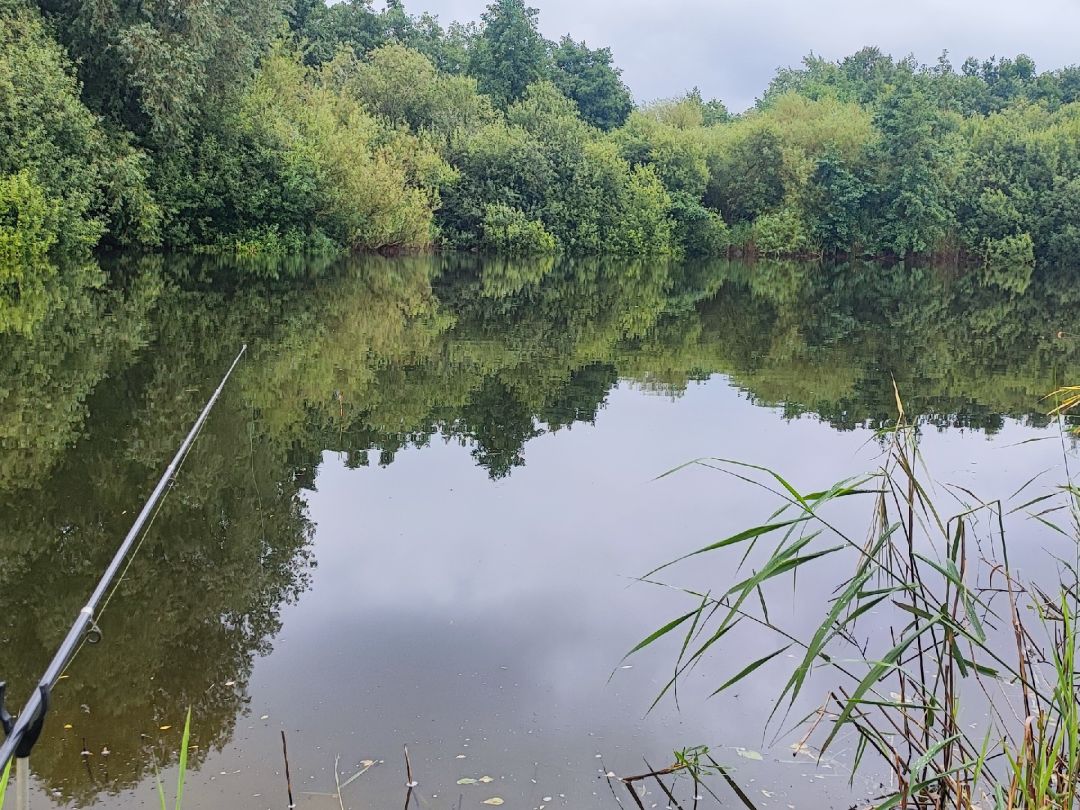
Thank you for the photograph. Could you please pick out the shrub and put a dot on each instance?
(1009, 261)
(781, 233)
(92, 180)
(29, 224)
(507, 230)
(697, 230)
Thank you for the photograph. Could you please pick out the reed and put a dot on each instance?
(1068, 399)
(952, 623)
(185, 741)
(4, 782)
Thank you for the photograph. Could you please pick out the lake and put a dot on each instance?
(417, 515)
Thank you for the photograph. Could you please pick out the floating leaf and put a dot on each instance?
(67, 725)
(486, 779)
(748, 754)
(164, 728)
(495, 802)
(466, 781)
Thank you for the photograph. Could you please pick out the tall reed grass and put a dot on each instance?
(956, 637)
(185, 741)
(4, 782)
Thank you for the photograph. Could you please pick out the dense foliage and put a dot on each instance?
(274, 126)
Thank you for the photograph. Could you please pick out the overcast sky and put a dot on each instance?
(731, 49)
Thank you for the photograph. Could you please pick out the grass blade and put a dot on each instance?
(184, 741)
(663, 631)
(4, 782)
(876, 673)
(748, 534)
(749, 669)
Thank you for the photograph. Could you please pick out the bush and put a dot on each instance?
(1009, 261)
(547, 164)
(507, 230)
(781, 233)
(645, 227)
(29, 224)
(300, 164)
(697, 231)
(92, 180)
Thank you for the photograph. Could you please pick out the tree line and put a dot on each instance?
(284, 126)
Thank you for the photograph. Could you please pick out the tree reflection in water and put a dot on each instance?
(373, 356)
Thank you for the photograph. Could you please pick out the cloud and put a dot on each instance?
(731, 49)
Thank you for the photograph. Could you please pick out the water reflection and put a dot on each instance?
(377, 357)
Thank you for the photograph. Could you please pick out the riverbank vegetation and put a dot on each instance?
(942, 669)
(265, 126)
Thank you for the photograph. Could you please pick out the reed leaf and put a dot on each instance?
(184, 741)
(4, 782)
(750, 668)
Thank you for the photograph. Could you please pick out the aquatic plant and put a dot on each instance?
(1068, 399)
(954, 631)
(181, 767)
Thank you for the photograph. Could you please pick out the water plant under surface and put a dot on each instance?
(933, 654)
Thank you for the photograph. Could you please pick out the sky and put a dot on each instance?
(731, 49)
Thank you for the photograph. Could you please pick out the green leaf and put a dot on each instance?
(4, 782)
(663, 631)
(748, 534)
(876, 673)
(185, 740)
(750, 668)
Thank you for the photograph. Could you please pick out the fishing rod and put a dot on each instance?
(22, 733)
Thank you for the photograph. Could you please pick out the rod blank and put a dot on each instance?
(25, 730)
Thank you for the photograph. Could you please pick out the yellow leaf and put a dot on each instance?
(496, 801)
(164, 728)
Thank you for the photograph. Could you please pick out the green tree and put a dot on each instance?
(746, 179)
(838, 198)
(404, 86)
(160, 68)
(913, 159)
(509, 54)
(553, 168)
(65, 176)
(589, 78)
(713, 111)
(324, 29)
(300, 164)
(448, 48)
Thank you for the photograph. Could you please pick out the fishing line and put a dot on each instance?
(131, 558)
(23, 732)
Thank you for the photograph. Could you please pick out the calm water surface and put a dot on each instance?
(417, 513)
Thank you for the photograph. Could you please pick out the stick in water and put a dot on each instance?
(408, 775)
(288, 778)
